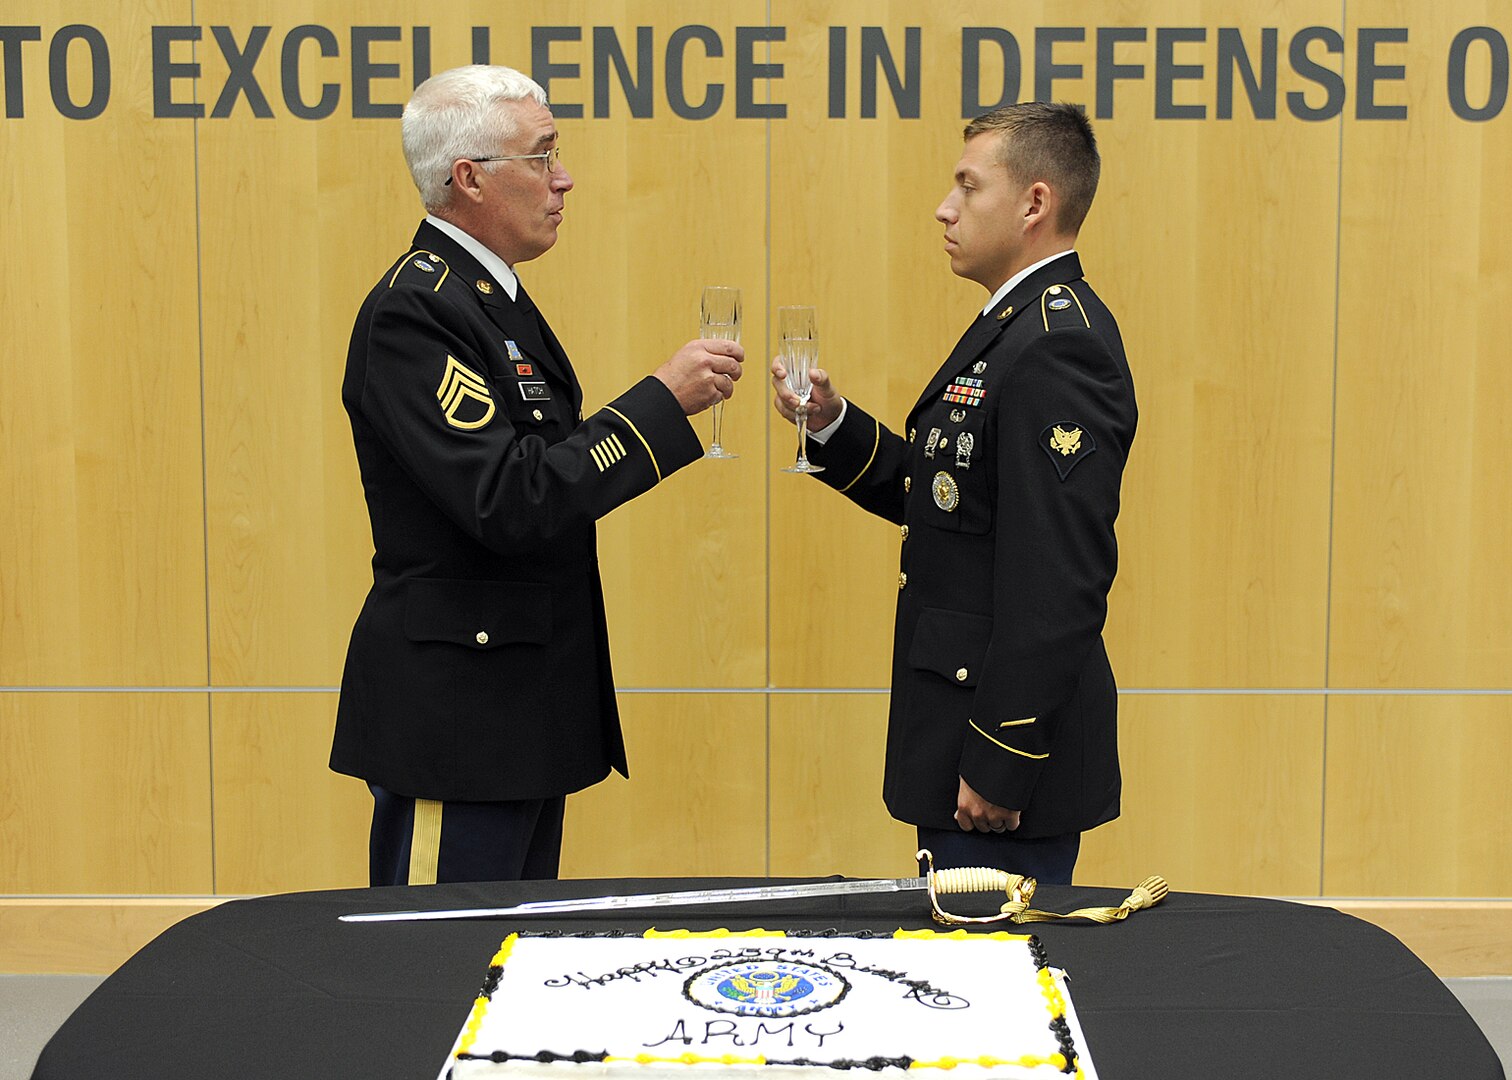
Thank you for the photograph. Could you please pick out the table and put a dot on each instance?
(1199, 987)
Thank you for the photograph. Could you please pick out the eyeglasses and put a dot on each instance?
(550, 157)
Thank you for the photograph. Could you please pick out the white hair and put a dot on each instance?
(455, 114)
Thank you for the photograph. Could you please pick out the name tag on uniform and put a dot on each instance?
(534, 391)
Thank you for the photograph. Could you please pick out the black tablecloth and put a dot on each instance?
(1200, 987)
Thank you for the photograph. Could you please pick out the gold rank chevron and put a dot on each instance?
(458, 383)
(607, 452)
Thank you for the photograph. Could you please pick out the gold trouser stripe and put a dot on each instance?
(1005, 746)
(638, 435)
(425, 842)
(877, 442)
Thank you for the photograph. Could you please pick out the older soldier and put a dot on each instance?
(477, 692)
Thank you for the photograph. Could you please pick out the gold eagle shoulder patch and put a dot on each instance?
(1067, 443)
(465, 400)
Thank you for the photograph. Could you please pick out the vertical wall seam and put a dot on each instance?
(1333, 472)
(766, 458)
(199, 284)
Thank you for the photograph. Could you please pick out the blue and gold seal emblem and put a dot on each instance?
(766, 988)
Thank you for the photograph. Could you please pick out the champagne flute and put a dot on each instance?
(719, 317)
(798, 331)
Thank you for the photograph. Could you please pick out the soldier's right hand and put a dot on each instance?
(702, 373)
(823, 403)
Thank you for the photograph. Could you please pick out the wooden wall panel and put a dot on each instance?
(695, 805)
(174, 318)
(300, 221)
(1221, 794)
(826, 789)
(104, 793)
(1422, 502)
(1418, 802)
(1219, 267)
(101, 568)
(853, 234)
(283, 821)
(661, 207)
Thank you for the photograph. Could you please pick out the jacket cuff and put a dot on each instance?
(658, 421)
(851, 451)
(997, 770)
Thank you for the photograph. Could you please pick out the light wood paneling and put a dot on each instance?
(1456, 938)
(1221, 794)
(300, 219)
(283, 821)
(1418, 801)
(1220, 269)
(662, 207)
(83, 936)
(104, 793)
(696, 803)
(827, 812)
(853, 234)
(1422, 503)
(101, 568)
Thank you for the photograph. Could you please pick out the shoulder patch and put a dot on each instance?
(423, 268)
(1067, 443)
(465, 400)
(1061, 308)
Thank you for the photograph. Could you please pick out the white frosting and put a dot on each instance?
(764, 999)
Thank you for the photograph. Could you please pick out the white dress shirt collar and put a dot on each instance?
(492, 263)
(1008, 286)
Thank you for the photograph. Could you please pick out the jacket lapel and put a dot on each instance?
(985, 329)
(517, 320)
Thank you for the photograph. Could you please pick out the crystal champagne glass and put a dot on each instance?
(798, 332)
(719, 317)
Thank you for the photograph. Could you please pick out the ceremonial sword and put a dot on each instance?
(968, 879)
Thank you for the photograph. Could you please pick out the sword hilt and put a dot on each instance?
(1020, 891)
(969, 879)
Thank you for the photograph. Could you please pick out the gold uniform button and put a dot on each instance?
(908, 483)
(961, 674)
(902, 580)
(905, 532)
(482, 637)
(911, 433)
(537, 414)
(1055, 290)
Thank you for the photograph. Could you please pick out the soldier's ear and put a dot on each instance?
(1039, 206)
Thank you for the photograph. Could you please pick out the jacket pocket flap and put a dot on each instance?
(481, 614)
(952, 644)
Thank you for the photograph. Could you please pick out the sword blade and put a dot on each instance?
(653, 900)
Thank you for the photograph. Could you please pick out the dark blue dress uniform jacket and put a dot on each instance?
(1006, 487)
(478, 668)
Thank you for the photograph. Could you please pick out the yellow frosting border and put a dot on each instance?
(480, 1005)
(1055, 1003)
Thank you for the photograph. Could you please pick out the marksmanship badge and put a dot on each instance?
(766, 988)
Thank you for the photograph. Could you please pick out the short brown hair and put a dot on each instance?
(1048, 141)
